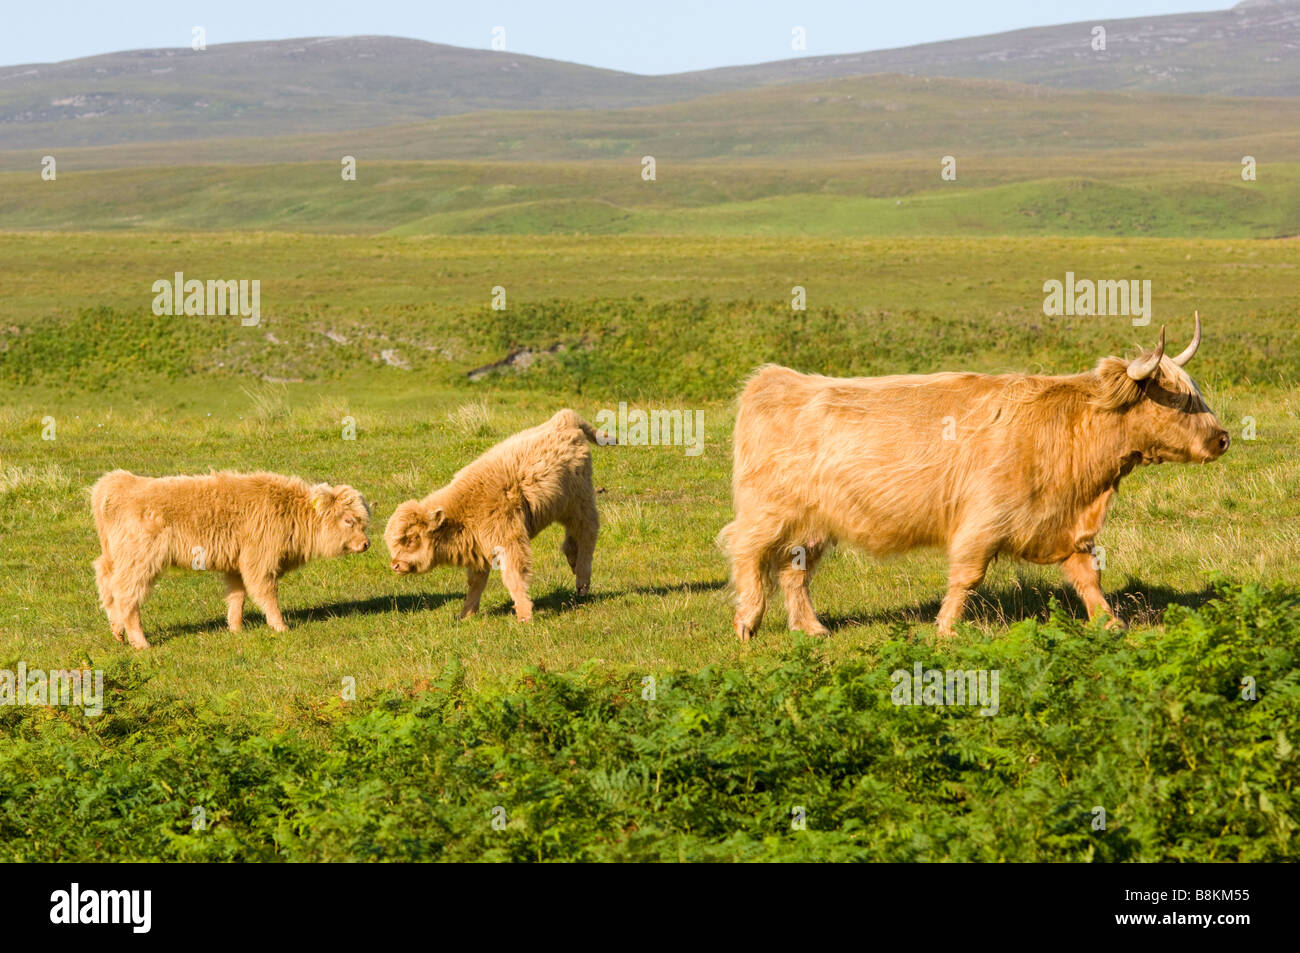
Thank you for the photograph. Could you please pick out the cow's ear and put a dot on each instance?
(322, 495)
(436, 518)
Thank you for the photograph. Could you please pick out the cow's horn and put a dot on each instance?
(1187, 355)
(1141, 370)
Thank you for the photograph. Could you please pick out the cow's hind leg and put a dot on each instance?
(104, 583)
(751, 575)
(793, 568)
(1083, 573)
(131, 584)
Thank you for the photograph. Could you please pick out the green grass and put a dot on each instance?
(658, 322)
(991, 197)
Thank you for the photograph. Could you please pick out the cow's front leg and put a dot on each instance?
(966, 569)
(1085, 576)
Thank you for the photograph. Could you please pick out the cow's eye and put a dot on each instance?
(348, 521)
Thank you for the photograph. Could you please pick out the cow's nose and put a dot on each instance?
(1224, 440)
(365, 544)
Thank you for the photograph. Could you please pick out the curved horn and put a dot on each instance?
(1187, 355)
(1140, 370)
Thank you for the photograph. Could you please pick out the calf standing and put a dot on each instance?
(254, 527)
(486, 516)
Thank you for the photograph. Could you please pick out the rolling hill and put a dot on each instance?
(256, 90)
(853, 156)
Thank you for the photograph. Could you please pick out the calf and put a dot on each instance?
(486, 516)
(253, 527)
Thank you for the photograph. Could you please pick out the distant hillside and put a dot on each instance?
(853, 156)
(287, 86)
(831, 119)
(1252, 49)
(256, 90)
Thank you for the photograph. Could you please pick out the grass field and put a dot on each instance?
(386, 330)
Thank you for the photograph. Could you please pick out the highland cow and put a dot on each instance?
(487, 515)
(983, 465)
(253, 527)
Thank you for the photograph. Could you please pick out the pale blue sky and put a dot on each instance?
(643, 36)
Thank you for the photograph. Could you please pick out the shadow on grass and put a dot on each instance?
(1136, 604)
(558, 599)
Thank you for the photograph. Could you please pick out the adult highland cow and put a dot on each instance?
(984, 465)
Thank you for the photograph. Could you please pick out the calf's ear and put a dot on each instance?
(436, 518)
(322, 495)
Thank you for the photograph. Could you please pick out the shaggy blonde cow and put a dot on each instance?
(254, 527)
(982, 465)
(486, 516)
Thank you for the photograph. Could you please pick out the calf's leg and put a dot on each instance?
(133, 578)
(580, 529)
(104, 583)
(264, 589)
(516, 573)
(474, 591)
(234, 601)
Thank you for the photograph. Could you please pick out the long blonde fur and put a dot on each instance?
(983, 465)
(253, 527)
(487, 515)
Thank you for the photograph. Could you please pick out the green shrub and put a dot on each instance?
(1153, 728)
